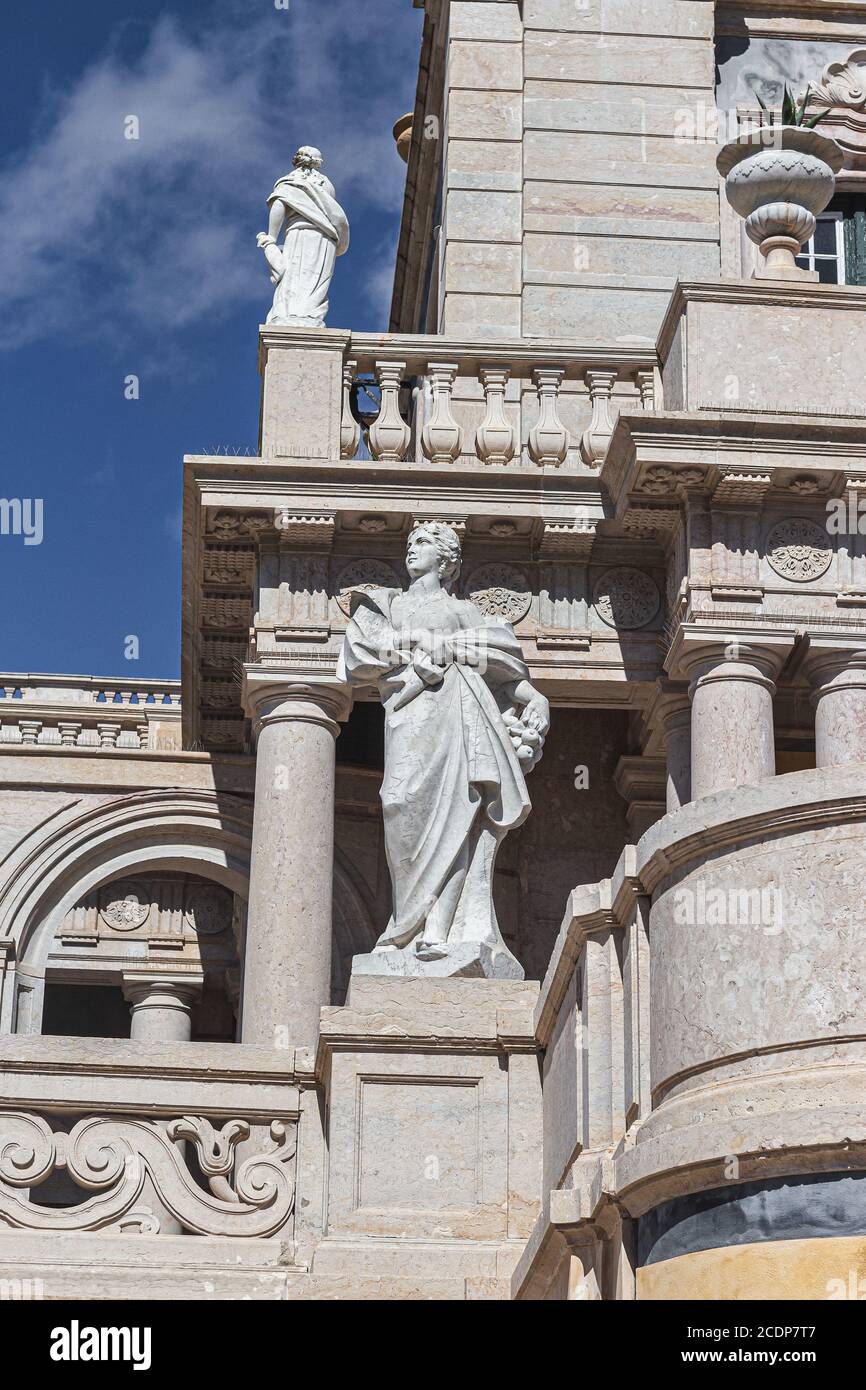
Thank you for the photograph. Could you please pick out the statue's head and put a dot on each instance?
(308, 157)
(433, 546)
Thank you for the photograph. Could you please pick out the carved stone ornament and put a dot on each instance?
(500, 591)
(799, 549)
(112, 1158)
(365, 575)
(662, 480)
(626, 598)
(209, 909)
(125, 907)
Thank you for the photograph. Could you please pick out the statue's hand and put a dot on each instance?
(264, 239)
(536, 714)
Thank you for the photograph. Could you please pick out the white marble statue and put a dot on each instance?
(317, 232)
(463, 725)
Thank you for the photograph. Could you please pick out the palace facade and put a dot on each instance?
(649, 438)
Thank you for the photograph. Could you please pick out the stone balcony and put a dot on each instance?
(89, 712)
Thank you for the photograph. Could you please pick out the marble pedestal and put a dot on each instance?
(434, 1099)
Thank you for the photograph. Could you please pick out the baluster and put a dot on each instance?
(548, 439)
(108, 735)
(143, 731)
(389, 434)
(596, 438)
(30, 729)
(350, 430)
(441, 437)
(69, 731)
(495, 441)
(645, 381)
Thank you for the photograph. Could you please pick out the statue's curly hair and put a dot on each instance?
(447, 544)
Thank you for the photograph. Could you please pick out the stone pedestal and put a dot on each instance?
(839, 679)
(732, 736)
(434, 1100)
(287, 963)
(302, 384)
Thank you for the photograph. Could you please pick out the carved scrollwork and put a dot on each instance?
(501, 591)
(113, 1157)
(626, 598)
(799, 549)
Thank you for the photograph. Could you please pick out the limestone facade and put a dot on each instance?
(653, 460)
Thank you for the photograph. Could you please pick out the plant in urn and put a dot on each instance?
(779, 177)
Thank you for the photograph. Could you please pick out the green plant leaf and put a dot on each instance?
(814, 120)
(801, 114)
(789, 109)
(763, 105)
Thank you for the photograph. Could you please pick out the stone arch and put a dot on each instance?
(199, 832)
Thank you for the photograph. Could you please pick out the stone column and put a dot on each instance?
(161, 1005)
(732, 733)
(676, 715)
(839, 680)
(287, 959)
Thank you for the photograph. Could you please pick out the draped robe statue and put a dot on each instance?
(317, 232)
(462, 726)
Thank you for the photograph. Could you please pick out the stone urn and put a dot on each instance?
(779, 178)
(403, 135)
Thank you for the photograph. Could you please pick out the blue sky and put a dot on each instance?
(127, 257)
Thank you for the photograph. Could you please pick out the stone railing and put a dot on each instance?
(89, 712)
(105, 1131)
(439, 401)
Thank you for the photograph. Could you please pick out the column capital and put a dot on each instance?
(147, 989)
(699, 655)
(835, 665)
(276, 695)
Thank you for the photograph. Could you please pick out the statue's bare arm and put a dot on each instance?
(536, 707)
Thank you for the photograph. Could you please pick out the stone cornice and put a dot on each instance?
(787, 804)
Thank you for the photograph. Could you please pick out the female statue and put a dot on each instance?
(316, 233)
(463, 725)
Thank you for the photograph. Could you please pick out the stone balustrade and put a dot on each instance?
(443, 400)
(436, 401)
(110, 1123)
(89, 712)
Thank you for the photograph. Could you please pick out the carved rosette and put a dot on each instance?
(125, 907)
(364, 575)
(799, 549)
(626, 598)
(501, 592)
(209, 910)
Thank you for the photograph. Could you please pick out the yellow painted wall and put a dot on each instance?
(824, 1268)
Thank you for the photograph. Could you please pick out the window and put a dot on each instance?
(837, 251)
(825, 251)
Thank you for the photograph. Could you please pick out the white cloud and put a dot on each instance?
(104, 235)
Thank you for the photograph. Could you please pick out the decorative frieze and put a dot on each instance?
(501, 591)
(306, 530)
(228, 566)
(364, 575)
(626, 598)
(571, 540)
(115, 1157)
(220, 611)
(799, 549)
